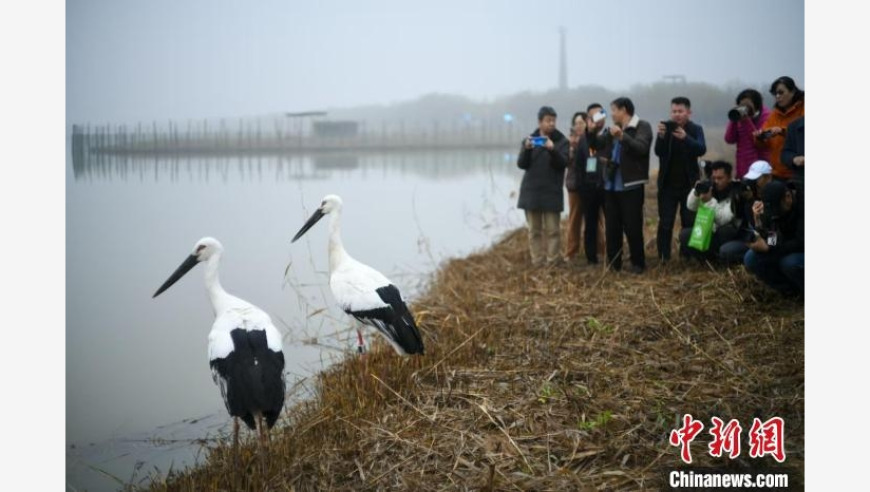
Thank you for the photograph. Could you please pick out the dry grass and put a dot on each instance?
(563, 379)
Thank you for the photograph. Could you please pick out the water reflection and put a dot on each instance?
(102, 166)
(134, 363)
(336, 161)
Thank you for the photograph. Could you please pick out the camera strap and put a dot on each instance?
(771, 238)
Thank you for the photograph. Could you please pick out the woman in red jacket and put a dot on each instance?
(789, 107)
(742, 131)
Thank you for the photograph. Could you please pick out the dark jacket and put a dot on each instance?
(586, 181)
(541, 188)
(686, 152)
(794, 146)
(570, 169)
(636, 142)
(790, 229)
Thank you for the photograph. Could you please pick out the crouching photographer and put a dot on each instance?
(718, 194)
(748, 195)
(776, 254)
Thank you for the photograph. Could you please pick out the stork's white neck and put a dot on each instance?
(337, 254)
(220, 300)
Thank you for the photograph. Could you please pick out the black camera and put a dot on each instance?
(738, 112)
(748, 187)
(670, 126)
(768, 216)
(765, 134)
(702, 187)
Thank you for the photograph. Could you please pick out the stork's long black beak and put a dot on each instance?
(317, 215)
(185, 267)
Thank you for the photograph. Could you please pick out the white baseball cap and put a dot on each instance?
(757, 169)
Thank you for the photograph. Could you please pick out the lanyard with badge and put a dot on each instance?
(592, 161)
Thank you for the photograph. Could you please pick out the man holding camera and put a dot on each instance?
(590, 166)
(776, 255)
(543, 157)
(679, 144)
(718, 194)
(626, 173)
(748, 197)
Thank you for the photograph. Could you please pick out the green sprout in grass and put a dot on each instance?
(546, 393)
(598, 327)
(599, 422)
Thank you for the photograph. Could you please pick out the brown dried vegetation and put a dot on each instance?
(561, 379)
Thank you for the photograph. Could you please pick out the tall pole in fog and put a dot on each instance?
(563, 61)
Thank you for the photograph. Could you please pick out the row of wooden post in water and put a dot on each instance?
(282, 136)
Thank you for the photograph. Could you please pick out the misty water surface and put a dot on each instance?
(135, 363)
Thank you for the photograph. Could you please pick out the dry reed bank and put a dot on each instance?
(562, 379)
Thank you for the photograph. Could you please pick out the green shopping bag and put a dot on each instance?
(702, 231)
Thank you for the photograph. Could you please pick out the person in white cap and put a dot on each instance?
(761, 172)
(759, 175)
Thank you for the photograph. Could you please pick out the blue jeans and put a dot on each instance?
(783, 273)
(733, 252)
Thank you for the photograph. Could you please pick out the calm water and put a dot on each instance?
(137, 367)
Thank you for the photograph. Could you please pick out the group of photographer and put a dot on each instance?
(770, 201)
(611, 168)
(752, 213)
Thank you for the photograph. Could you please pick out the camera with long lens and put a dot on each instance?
(767, 224)
(748, 188)
(738, 112)
(702, 187)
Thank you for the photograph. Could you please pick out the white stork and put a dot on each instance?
(244, 348)
(363, 292)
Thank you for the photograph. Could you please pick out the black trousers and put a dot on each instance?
(623, 214)
(593, 202)
(669, 199)
(724, 234)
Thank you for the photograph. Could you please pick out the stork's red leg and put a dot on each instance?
(361, 345)
(235, 434)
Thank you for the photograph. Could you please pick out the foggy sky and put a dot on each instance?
(137, 61)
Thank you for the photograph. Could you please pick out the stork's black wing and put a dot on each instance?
(251, 377)
(393, 320)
